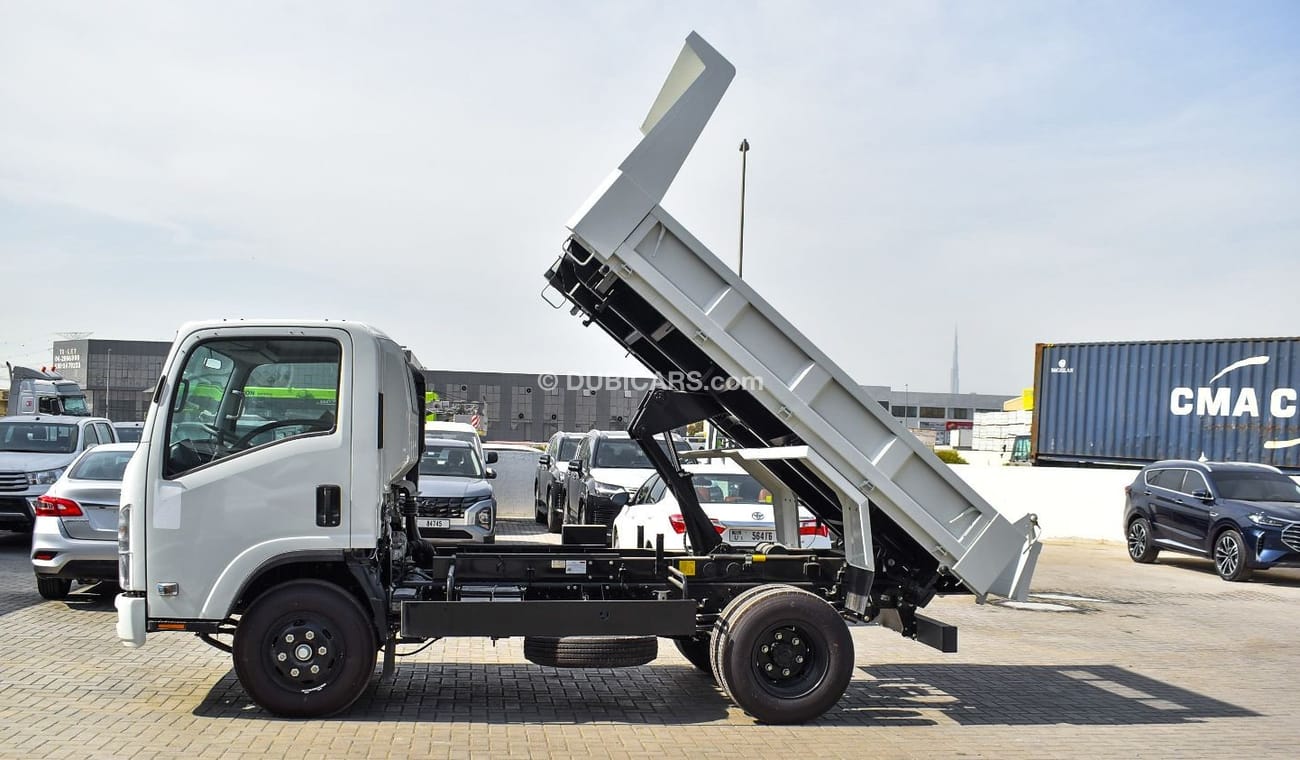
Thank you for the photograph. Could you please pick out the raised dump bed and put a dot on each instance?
(636, 272)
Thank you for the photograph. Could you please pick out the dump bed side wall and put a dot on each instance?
(703, 298)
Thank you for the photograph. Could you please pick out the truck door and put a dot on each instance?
(253, 462)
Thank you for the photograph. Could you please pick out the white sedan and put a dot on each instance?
(741, 511)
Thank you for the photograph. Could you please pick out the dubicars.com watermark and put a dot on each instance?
(680, 381)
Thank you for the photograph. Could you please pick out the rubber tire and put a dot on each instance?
(735, 649)
(1243, 572)
(345, 618)
(554, 516)
(723, 624)
(1151, 552)
(591, 651)
(698, 652)
(539, 507)
(53, 588)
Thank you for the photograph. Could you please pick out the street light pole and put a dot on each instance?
(744, 154)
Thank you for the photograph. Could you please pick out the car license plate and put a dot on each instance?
(432, 522)
(743, 536)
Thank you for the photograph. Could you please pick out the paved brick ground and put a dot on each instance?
(1158, 661)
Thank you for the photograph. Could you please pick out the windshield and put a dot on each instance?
(42, 437)
(626, 453)
(1256, 486)
(76, 406)
(453, 435)
(101, 465)
(568, 446)
(729, 489)
(450, 461)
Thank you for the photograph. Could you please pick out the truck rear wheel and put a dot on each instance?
(782, 654)
(591, 651)
(305, 650)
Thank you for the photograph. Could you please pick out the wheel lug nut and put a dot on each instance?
(795, 642)
(799, 659)
(294, 672)
(769, 667)
(765, 649)
(288, 637)
(321, 651)
(281, 657)
(315, 668)
(309, 635)
(785, 672)
(778, 635)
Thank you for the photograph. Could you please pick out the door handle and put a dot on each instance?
(1146, 493)
(1178, 501)
(329, 510)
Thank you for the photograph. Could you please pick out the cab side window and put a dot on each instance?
(234, 395)
(90, 437)
(105, 432)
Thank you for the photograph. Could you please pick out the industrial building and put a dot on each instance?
(119, 376)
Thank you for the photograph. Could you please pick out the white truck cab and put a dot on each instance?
(224, 486)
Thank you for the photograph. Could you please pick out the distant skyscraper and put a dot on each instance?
(955, 384)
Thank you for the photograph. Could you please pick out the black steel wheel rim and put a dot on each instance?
(1227, 554)
(305, 652)
(789, 662)
(1137, 540)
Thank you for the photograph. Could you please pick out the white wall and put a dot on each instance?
(1070, 502)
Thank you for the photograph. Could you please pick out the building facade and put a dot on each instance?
(119, 376)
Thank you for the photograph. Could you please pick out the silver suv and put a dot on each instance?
(35, 449)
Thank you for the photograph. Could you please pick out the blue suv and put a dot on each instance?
(1243, 516)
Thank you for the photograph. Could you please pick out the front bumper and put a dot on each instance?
(465, 527)
(18, 511)
(600, 510)
(73, 558)
(1272, 548)
(130, 620)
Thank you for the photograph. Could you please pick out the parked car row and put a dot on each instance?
(605, 478)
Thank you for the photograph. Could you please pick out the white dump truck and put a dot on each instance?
(300, 538)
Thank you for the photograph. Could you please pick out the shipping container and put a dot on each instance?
(1133, 403)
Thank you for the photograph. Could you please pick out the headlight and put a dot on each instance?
(1267, 521)
(44, 477)
(605, 489)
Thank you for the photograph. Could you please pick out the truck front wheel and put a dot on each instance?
(305, 650)
(782, 654)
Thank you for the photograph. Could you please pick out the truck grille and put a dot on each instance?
(13, 481)
(440, 506)
(1291, 536)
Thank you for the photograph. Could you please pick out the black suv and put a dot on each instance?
(1243, 516)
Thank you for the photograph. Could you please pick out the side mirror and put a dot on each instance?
(1203, 495)
(575, 466)
(619, 499)
(544, 460)
(491, 457)
(491, 474)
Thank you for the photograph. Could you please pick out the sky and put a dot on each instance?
(1021, 172)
